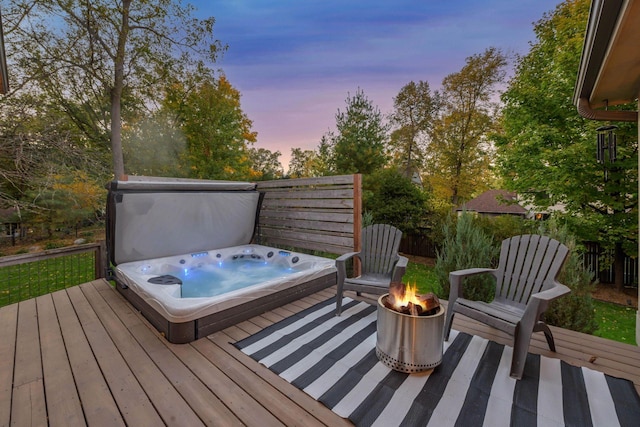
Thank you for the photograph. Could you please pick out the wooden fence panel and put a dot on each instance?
(323, 214)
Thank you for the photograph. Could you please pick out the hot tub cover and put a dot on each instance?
(150, 217)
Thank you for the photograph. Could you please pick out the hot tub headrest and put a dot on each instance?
(155, 218)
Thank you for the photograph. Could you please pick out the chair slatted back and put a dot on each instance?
(380, 245)
(528, 264)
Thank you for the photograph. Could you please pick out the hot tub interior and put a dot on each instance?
(211, 273)
(182, 254)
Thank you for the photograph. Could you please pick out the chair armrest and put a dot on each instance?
(399, 269)
(539, 302)
(556, 291)
(341, 265)
(344, 257)
(455, 280)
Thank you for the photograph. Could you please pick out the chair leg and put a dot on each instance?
(448, 322)
(520, 350)
(339, 302)
(542, 327)
(339, 293)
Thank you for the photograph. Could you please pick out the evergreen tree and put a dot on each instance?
(361, 141)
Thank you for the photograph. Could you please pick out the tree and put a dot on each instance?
(301, 163)
(393, 199)
(102, 61)
(216, 130)
(265, 164)
(460, 151)
(415, 107)
(360, 143)
(547, 151)
(39, 144)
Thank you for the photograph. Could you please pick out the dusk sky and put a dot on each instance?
(296, 61)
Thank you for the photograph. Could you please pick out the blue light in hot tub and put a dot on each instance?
(199, 254)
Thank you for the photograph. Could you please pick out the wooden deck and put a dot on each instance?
(83, 356)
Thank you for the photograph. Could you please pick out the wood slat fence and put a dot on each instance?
(320, 214)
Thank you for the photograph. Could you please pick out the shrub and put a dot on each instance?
(393, 199)
(53, 245)
(502, 227)
(466, 246)
(575, 311)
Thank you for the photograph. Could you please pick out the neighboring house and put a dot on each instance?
(9, 221)
(609, 71)
(495, 203)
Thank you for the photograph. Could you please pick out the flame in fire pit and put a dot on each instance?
(406, 299)
(401, 295)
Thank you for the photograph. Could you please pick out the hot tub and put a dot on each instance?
(182, 253)
(187, 287)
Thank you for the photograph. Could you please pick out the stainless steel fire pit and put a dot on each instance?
(408, 343)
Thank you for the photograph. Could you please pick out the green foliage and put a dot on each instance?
(504, 226)
(547, 151)
(424, 277)
(459, 161)
(301, 164)
(264, 164)
(367, 219)
(393, 199)
(217, 131)
(574, 311)
(360, 144)
(415, 107)
(466, 246)
(102, 62)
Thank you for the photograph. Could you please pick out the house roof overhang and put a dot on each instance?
(609, 71)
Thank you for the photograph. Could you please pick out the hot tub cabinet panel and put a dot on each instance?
(184, 332)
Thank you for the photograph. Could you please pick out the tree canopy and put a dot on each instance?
(460, 150)
(359, 146)
(548, 152)
(415, 108)
(102, 61)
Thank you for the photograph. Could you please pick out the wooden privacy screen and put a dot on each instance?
(323, 214)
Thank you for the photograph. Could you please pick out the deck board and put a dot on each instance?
(100, 408)
(60, 390)
(8, 329)
(84, 356)
(28, 406)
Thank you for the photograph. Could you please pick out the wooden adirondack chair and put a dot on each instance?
(380, 263)
(525, 284)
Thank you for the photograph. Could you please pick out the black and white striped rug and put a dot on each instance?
(333, 360)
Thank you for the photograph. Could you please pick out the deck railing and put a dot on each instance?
(30, 275)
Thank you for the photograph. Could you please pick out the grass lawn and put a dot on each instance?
(616, 322)
(423, 276)
(24, 281)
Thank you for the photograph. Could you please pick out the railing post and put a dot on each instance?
(101, 260)
(357, 221)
